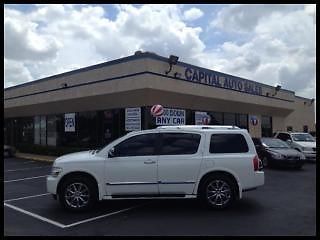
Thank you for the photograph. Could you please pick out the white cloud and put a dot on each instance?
(280, 47)
(24, 42)
(192, 14)
(17, 72)
(58, 38)
(279, 44)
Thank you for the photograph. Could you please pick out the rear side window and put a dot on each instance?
(179, 143)
(283, 136)
(228, 143)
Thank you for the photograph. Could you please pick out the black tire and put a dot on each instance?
(221, 186)
(78, 202)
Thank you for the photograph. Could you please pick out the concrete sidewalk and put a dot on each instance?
(35, 157)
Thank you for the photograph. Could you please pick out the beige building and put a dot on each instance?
(93, 105)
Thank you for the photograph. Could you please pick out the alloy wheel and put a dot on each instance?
(218, 192)
(77, 195)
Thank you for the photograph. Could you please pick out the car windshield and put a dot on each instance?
(274, 143)
(302, 137)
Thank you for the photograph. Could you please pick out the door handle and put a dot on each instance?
(149, 162)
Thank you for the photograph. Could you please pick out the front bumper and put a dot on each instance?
(310, 155)
(52, 183)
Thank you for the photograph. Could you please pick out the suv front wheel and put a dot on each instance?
(218, 192)
(78, 194)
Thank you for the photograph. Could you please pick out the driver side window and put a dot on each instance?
(140, 145)
(284, 136)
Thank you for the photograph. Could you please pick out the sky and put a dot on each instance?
(272, 44)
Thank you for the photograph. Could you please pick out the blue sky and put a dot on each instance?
(271, 44)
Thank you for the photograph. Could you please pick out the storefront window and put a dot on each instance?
(87, 129)
(216, 118)
(51, 130)
(37, 130)
(266, 126)
(149, 120)
(242, 121)
(229, 119)
(43, 130)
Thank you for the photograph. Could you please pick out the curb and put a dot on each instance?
(35, 158)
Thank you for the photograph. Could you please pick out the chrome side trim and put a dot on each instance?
(130, 183)
(160, 197)
(186, 182)
(143, 183)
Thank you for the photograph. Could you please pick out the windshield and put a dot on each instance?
(274, 143)
(302, 137)
(100, 148)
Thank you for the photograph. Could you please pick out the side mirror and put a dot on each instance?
(111, 153)
(289, 141)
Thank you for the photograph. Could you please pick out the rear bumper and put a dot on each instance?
(259, 179)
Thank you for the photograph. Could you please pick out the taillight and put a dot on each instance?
(255, 163)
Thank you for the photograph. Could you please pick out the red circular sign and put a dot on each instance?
(156, 110)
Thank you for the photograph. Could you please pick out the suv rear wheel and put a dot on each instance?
(78, 194)
(218, 192)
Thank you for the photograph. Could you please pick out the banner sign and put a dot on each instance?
(216, 79)
(202, 118)
(133, 119)
(70, 122)
(172, 116)
(254, 120)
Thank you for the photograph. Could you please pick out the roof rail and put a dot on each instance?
(199, 127)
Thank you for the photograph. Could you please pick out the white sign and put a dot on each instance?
(69, 122)
(133, 119)
(172, 117)
(202, 118)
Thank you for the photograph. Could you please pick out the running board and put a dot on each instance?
(149, 196)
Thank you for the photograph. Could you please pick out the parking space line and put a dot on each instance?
(15, 199)
(103, 216)
(24, 169)
(60, 224)
(35, 215)
(23, 179)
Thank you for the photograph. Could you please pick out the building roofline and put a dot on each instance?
(304, 98)
(131, 58)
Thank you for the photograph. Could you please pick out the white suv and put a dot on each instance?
(213, 163)
(303, 142)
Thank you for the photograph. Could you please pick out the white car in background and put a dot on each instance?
(213, 163)
(303, 142)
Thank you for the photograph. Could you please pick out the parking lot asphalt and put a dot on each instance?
(284, 206)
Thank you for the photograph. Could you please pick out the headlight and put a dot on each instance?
(55, 171)
(277, 155)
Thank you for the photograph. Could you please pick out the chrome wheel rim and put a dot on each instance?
(77, 195)
(218, 192)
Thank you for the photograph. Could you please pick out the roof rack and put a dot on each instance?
(199, 127)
